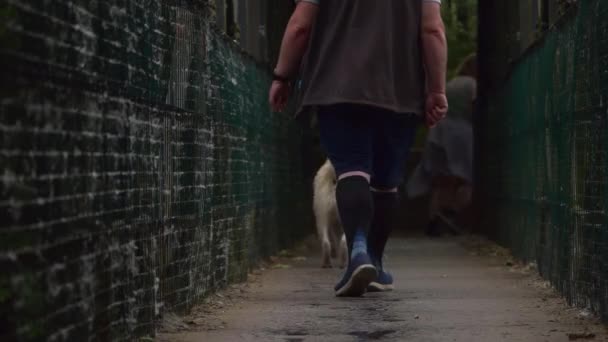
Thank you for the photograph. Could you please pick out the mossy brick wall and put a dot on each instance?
(141, 167)
(543, 161)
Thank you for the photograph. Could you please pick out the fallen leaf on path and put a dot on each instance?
(198, 321)
(584, 314)
(280, 266)
(581, 336)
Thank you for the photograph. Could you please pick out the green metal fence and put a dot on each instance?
(542, 135)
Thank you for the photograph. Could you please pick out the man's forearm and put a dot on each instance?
(293, 48)
(435, 52)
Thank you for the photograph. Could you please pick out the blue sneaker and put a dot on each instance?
(359, 274)
(384, 282)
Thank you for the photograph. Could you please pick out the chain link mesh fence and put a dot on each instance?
(542, 137)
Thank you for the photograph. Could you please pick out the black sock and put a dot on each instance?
(355, 206)
(385, 210)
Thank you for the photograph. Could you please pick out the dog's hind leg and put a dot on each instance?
(326, 245)
(323, 231)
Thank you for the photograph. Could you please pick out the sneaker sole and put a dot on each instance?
(377, 287)
(358, 282)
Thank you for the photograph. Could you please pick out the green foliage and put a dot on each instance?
(460, 18)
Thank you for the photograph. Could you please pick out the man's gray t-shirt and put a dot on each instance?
(365, 52)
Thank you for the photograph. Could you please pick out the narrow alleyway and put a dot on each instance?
(447, 290)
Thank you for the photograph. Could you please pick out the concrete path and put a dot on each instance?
(444, 292)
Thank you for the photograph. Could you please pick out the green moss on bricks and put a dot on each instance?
(6, 292)
(34, 331)
(31, 292)
(29, 300)
(18, 240)
(8, 15)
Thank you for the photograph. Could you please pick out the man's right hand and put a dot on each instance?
(279, 95)
(436, 108)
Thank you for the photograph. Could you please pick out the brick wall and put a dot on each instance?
(141, 167)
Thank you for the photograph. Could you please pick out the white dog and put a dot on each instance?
(329, 228)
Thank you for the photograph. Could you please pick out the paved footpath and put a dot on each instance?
(444, 292)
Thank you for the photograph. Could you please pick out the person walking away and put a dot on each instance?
(446, 168)
(373, 70)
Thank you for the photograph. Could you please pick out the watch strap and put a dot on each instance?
(277, 77)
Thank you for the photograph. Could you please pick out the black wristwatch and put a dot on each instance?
(277, 77)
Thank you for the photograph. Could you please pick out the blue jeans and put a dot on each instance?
(359, 138)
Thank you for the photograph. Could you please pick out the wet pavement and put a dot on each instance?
(444, 292)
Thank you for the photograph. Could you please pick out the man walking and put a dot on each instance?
(372, 69)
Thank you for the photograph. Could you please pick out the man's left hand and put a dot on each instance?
(279, 95)
(436, 108)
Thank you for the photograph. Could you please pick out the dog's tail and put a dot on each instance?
(325, 176)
